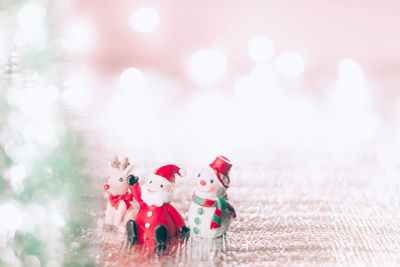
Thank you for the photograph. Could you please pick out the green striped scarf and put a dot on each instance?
(220, 204)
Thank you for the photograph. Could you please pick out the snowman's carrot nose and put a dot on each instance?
(202, 182)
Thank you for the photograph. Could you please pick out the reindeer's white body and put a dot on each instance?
(118, 216)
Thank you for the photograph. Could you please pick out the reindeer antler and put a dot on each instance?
(125, 164)
(121, 166)
(115, 163)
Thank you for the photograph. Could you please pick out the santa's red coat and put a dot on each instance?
(149, 217)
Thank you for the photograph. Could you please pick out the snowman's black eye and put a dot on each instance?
(211, 181)
(161, 185)
(198, 175)
(121, 179)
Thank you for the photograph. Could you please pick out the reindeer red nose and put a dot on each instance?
(202, 182)
(106, 187)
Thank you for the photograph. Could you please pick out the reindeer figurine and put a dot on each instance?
(119, 207)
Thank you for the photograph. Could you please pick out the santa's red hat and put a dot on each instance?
(168, 172)
(221, 167)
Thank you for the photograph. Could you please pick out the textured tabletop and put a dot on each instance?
(286, 216)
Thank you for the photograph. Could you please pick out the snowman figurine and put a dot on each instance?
(210, 214)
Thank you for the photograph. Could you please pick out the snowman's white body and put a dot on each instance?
(202, 229)
(207, 186)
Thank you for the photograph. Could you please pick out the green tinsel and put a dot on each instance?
(55, 175)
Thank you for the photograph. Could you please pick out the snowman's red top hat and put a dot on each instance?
(221, 166)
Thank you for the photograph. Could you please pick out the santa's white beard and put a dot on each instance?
(158, 198)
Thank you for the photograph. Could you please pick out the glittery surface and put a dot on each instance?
(286, 215)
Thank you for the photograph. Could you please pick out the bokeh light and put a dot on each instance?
(3, 48)
(132, 78)
(31, 19)
(78, 36)
(13, 219)
(31, 16)
(31, 260)
(349, 69)
(260, 85)
(44, 133)
(145, 19)
(260, 49)
(264, 75)
(17, 172)
(35, 101)
(207, 66)
(351, 94)
(76, 91)
(57, 219)
(290, 64)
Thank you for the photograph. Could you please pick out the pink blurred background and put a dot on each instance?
(343, 100)
(322, 31)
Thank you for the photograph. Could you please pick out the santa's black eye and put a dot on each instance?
(211, 181)
(150, 182)
(121, 179)
(161, 185)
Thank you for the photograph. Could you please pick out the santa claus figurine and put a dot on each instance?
(156, 219)
(210, 214)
